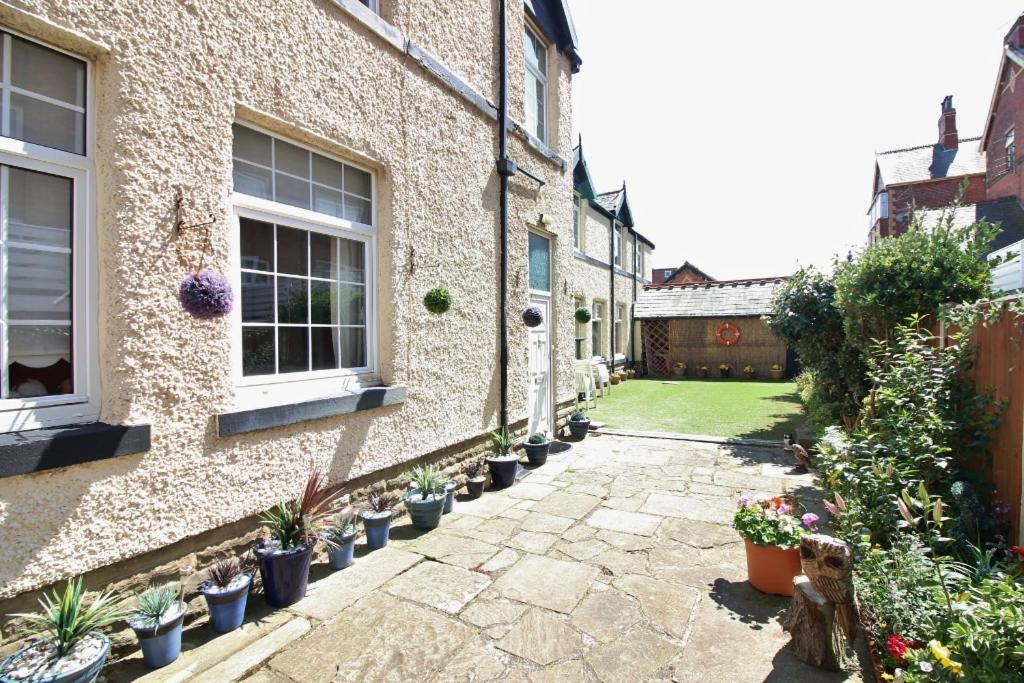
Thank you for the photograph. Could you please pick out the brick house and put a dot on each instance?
(684, 274)
(1003, 175)
(925, 177)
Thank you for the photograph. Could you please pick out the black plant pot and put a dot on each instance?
(537, 453)
(285, 575)
(425, 512)
(579, 428)
(503, 471)
(475, 487)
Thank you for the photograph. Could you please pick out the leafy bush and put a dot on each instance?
(770, 522)
(438, 300)
(537, 439)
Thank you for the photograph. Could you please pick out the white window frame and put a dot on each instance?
(666, 272)
(373, 5)
(543, 78)
(619, 327)
(577, 208)
(617, 245)
(294, 387)
(597, 324)
(1010, 147)
(84, 404)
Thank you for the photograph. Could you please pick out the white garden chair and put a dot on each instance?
(584, 382)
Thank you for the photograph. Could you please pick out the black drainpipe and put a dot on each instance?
(632, 307)
(611, 306)
(505, 169)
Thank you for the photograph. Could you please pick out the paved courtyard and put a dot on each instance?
(614, 561)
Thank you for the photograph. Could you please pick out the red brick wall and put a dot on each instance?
(685, 277)
(1009, 112)
(933, 194)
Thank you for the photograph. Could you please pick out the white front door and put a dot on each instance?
(540, 370)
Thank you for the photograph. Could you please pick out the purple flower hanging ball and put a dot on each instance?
(206, 294)
(532, 316)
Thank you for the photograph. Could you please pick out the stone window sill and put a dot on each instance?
(244, 421)
(37, 450)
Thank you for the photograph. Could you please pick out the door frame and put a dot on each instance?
(548, 298)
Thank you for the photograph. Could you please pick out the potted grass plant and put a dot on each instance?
(340, 536)
(504, 463)
(475, 479)
(425, 501)
(771, 532)
(702, 371)
(776, 371)
(536, 448)
(749, 371)
(294, 528)
(724, 370)
(380, 509)
(226, 590)
(67, 644)
(579, 423)
(157, 620)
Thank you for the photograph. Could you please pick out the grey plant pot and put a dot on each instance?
(425, 512)
(579, 428)
(537, 453)
(503, 470)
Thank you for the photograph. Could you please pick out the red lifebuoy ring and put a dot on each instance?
(734, 334)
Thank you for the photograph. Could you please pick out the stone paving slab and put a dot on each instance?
(625, 522)
(554, 584)
(438, 585)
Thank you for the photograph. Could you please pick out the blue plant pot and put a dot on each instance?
(284, 575)
(579, 428)
(449, 497)
(227, 610)
(341, 556)
(86, 674)
(537, 453)
(377, 527)
(503, 471)
(162, 645)
(425, 512)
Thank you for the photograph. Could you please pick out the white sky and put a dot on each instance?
(746, 131)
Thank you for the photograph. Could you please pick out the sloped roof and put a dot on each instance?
(725, 299)
(687, 265)
(582, 181)
(931, 162)
(609, 201)
(1007, 212)
(617, 203)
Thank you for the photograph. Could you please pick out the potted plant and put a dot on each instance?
(157, 621)
(295, 528)
(631, 373)
(340, 536)
(475, 479)
(504, 463)
(749, 371)
(724, 370)
(68, 646)
(425, 501)
(579, 423)
(679, 369)
(536, 448)
(776, 371)
(449, 496)
(377, 518)
(702, 371)
(771, 532)
(613, 378)
(226, 590)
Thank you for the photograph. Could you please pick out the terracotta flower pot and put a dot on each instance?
(614, 379)
(771, 569)
(776, 374)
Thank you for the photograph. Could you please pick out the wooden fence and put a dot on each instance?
(999, 367)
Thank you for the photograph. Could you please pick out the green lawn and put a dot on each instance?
(731, 408)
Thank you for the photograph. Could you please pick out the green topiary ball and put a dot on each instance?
(583, 315)
(438, 300)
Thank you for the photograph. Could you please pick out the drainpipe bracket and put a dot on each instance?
(507, 167)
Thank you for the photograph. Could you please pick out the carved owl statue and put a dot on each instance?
(828, 563)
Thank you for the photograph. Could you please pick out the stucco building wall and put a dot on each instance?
(168, 80)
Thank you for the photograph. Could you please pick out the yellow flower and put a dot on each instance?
(941, 653)
(886, 677)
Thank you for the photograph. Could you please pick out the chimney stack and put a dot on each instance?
(948, 137)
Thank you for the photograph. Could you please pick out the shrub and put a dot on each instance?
(537, 439)
(770, 522)
(438, 300)
(582, 315)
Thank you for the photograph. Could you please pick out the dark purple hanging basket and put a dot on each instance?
(206, 294)
(532, 316)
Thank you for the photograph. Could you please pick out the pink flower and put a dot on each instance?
(783, 509)
(743, 501)
(810, 520)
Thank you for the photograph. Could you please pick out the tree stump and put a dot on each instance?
(811, 622)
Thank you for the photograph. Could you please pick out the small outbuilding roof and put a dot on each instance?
(723, 299)
(931, 162)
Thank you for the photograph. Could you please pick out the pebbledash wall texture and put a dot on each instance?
(168, 81)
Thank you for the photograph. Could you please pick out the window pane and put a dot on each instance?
(357, 182)
(291, 251)
(40, 360)
(257, 244)
(39, 208)
(292, 349)
(252, 180)
(353, 347)
(327, 201)
(328, 171)
(38, 285)
(257, 351)
(534, 51)
(47, 72)
(46, 124)
(325, 348)
(323, 303)
(288, 190)
(323, 250)
(540, 263)
(291, 159)
(357, 209)
(353, 268)
(353, 305)
(251, 145)
(292, 300)
(257, 298)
